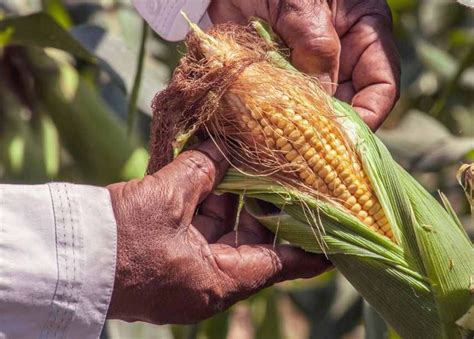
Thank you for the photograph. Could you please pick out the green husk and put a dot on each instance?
(421, 285)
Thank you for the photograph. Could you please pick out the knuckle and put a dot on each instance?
(274, 266)
(308, 28)
(167, 202)
(323, 45)
(363, 7)
(199, 167)
(369, 10)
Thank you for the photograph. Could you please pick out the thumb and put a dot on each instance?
(195, 173)
(307, 28)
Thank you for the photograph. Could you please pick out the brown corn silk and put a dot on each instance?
(272, 121)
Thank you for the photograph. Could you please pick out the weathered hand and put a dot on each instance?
(347, 44)
(178, 266)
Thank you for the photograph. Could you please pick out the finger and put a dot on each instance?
(304, 25)
(249, 231)
(196, 171)
(253, 267)
(194, 174)
(308, 30)
(221, 11)
(216, 216)
(370, 69)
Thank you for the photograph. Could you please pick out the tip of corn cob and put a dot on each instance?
(195, 28)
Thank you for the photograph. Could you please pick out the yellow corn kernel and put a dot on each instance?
(281, 142)
(291, 155)
(310, 179)
(317, 152)
(364, 198)
(369, 221)
(335, 183)
(268, 131)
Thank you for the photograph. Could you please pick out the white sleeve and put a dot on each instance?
(57, 260)
(165, 19)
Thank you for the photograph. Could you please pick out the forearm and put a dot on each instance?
(57, 260)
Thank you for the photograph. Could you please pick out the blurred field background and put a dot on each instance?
(76, 81)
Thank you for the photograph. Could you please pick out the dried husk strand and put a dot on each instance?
(420, 282)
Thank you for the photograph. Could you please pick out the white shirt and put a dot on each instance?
(164, 16)
(58, 241)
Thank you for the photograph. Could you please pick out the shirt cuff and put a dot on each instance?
(165, 17)
(57, 260)
(99, 250)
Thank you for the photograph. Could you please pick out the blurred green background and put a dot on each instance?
(76, 81)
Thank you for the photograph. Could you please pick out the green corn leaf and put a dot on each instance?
(50, 146)
(447, 255)
(40, 29)
(82, 117)
(56, 9)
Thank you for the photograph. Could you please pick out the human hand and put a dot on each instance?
(178, 266)
(347, 44)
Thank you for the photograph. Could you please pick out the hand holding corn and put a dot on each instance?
(178, 266)
(347, 44)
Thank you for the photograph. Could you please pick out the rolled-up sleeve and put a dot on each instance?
(57, 260)
(164, 16)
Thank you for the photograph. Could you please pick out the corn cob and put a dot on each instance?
(321, 160)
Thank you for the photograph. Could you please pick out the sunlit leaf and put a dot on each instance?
(467, 3)
(436, 59)
(435, 16)
(16, 153)
(41, 30)
(93, 135)
(135, 166)
(56, 9)
(50, 145)
(117, 329)
(437, 148)
(461, 36)
(464, 117)
(6, 35)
